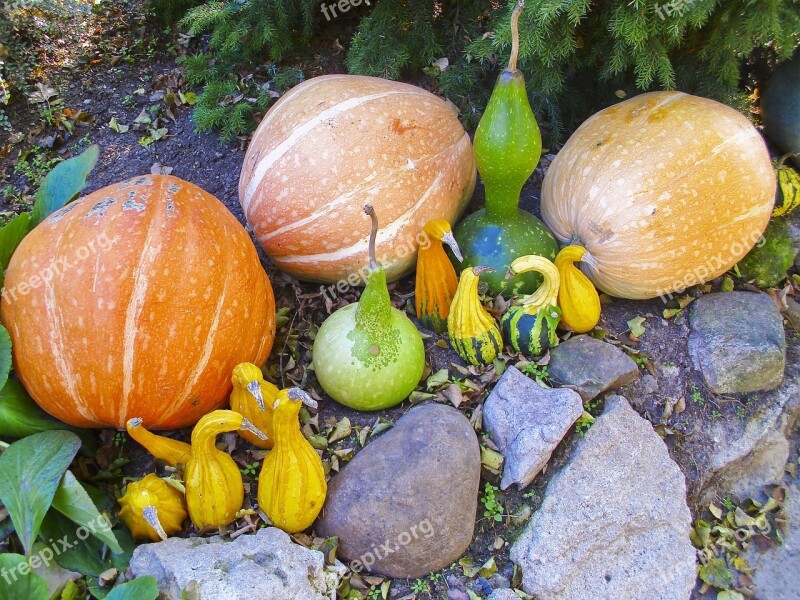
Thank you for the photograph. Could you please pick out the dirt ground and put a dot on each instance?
(121, 92)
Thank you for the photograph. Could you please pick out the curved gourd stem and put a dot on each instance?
(167, 449)
(784, 158)
(373, 262)
(512, 61)
(150, 514)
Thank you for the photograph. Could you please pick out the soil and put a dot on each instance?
(104, 92)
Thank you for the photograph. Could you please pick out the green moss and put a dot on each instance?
(768, 262)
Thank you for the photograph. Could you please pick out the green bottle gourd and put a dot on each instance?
(369, 355)
(507, 149)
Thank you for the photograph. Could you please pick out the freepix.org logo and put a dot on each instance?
(343, 6)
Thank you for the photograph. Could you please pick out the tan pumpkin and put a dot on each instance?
(335, 143)
(665, 190)
(137, 301)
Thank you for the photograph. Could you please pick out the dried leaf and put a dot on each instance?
(115, 125)
(636, 326)
(342, 430)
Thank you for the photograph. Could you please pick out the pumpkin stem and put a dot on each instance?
(785, 157)
(150, 514)
(254, 387)
(449, 239)
(299, 395)
(373, 262)
(512, 61)
(248, 426)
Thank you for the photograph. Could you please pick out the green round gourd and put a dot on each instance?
(531, 334)
(768, 261)
(369, 355)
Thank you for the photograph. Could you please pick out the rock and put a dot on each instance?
(503, 595)
(776, 570)
(742, 456)
(614, 523)
(405, 505)
(265, 565)
(527, 422)
(591, 366)
(455, 594)
(737, 342)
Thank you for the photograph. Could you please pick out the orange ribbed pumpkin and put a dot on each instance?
(335, 143)
(136, 301)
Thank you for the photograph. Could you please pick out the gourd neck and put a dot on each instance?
(467, 305)
(204, 435)
(374, 307)
(502, 202)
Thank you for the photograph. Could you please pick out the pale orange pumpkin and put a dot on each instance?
(665, 190)
(136, 301)
(335, 143)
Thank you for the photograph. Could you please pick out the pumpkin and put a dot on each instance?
(214, 487)
(474, 333)
(665, 190)
(136, 301)
(291, 485)
(577, 297)
(530, 325)
(252, 397)
(335, 142)
(152, 509)
(436, 279)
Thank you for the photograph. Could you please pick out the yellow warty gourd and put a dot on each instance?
(152, 509)
(253, 397)
(214, 488)
(474, 333)
(577, 296)
(172, 452)
(291, 486)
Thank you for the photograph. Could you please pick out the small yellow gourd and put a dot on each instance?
(252, 397)
(291, 487)
(172, 452)
(214, 488)
(436, 278)
(152, 509)
(474, 333)
(577, 296)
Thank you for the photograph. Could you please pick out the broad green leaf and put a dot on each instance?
(5, 355)
(716, 573)
(18, 582)
(11, 235)
(141, 588)
(55, 577)
(30, 470)
(20, 417)
(63, 184)
(88, 556)
(72, 501)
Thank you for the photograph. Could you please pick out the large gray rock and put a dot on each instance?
(614, 523)
(527, 422)
(777, 571)
(265, 565)
(405, 505)
(503, 595)
(591, 366)
(737, 342)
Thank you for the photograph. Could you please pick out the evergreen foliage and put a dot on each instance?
(577, 55)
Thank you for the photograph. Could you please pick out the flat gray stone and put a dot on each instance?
(591, 366)
(503, 595)
(737, 342)
(614, 523)
(527, 422)
(777, 571)
(405, 505)
(264, 565)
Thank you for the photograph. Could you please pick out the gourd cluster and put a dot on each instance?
(292, 484)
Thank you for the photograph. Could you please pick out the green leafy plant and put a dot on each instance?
(492, 505)
(420, 586)
(251, 470)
